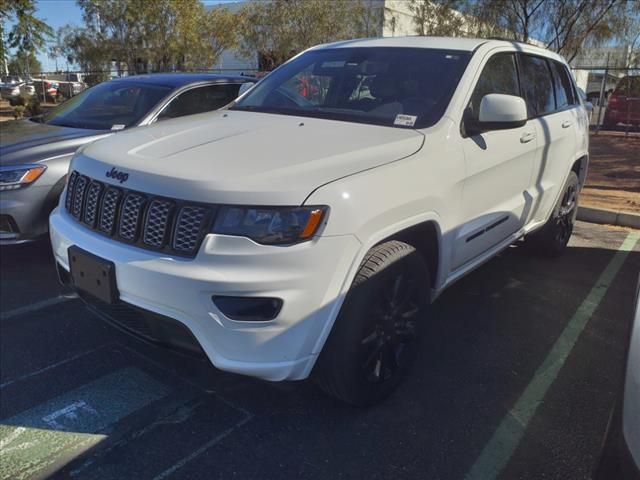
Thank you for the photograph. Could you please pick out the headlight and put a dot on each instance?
(270, 225)
(18, 176)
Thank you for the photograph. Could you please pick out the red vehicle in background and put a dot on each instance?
(624, 103)
(46, 90)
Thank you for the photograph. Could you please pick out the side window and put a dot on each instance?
(537, 85)
(562, 82)
(199, 100)
(499, 75)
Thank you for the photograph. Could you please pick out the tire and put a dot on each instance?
(552, 239)
(376, 335)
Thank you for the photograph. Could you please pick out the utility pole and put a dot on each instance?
(602, 98)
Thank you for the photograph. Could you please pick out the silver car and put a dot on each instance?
(35, 153)
(620, 457)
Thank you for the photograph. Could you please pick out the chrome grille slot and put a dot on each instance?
(188, 227)
(93, 201)
(78, 196)
(157, 223)
(130, 216)
(146, 221)
(110, 204)
(71, 184)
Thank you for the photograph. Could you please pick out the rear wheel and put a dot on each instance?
(375, 337)
(553, 237)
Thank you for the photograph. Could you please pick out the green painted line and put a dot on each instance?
(59, 430)
(507, 436)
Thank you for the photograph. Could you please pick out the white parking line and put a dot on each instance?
(49, 367)
(498, 451)
(217, 439)
(36, 306)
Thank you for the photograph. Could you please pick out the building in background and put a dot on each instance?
(397, 21)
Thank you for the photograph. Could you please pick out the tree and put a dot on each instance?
(202, 35)
(437, 17)
(565, 26)
(29, 34)
(149, 36)
(84, 46)
(3, 51)
(24, 64)
(507, 18)
(575, 24)
(279, 29)
(56, 48)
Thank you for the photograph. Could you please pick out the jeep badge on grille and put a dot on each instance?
(115, 174)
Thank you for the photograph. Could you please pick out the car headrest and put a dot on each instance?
(384, 87)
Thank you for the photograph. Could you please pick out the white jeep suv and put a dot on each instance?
(305, 230)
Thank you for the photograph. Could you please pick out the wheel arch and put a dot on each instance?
(580, 168)
(425, 238)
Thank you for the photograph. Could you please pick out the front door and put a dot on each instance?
(499, 163)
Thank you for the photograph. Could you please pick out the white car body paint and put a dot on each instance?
(376, 181)
(631, 409)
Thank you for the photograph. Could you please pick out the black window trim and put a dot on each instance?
(514, 54)
(553, 82)
(576, 97)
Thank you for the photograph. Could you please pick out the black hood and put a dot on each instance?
(28, 141)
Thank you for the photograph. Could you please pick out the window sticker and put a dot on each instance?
(118, 126)
(405, 120)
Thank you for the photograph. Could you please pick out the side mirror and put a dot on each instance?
(498, 112)
(589, 107)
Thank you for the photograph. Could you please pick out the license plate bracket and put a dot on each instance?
(93, 275)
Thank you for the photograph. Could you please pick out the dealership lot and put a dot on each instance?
(80, 399)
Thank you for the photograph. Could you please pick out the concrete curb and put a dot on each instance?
(609, 217)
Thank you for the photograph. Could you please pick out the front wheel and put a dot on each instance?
(552, 239)
(375, 337)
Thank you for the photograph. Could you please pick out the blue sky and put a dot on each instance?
(58, 13)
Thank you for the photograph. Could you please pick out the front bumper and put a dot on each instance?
(310, 278)
(26, 208)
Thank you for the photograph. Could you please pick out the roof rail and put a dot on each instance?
(509, 40)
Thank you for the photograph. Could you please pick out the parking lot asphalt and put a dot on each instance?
(519, 369)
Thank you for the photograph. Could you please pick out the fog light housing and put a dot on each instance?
(248, 309)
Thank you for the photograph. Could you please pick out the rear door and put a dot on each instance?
(553, 111)
(499, 165)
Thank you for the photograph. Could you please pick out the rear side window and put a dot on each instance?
(499, 75)
(562, 82)
(537, 85)
(199, 100)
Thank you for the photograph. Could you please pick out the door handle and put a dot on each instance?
(527, 137)
(567, 124)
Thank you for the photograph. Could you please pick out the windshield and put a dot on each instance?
(108, 106)
(402, 87)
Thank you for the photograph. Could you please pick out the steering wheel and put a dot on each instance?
(287, 98)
